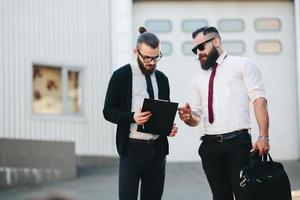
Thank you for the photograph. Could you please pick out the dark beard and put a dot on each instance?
(211, 59)
(143, 68)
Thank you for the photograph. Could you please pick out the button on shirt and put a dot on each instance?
(139, 92)
(237, 82)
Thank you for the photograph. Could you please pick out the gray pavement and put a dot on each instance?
(184, 181)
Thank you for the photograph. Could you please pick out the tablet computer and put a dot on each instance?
(162, 119)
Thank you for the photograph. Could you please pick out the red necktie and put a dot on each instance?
(210, 94)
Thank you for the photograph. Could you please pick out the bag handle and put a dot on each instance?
(265, 158)
(256, 158)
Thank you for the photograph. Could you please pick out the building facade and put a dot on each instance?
(57, 58)
(55, 65)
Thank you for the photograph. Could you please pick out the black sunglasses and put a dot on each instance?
(201, 46)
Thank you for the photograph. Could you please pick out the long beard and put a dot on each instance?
(211, 59)
(143, 69)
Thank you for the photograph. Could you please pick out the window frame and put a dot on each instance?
(266, 30)
(188, 53)
(165, 42)
(157, 20)
(244, 48)
(64, 75)
(231, 19)
(191, 20)
(267, 40)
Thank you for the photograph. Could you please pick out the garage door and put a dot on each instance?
(262, 31)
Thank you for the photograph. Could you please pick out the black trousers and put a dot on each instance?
(222, 162)
(144, 163)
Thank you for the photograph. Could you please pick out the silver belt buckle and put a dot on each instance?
(220, 138)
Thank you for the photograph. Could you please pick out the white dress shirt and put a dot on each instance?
(139, 92)
(237, 82)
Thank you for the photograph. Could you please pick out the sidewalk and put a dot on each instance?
(184, 181)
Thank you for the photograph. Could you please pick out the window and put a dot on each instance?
(159, 25)
(74, 95)
(231, 25)
(166, 48)
(268, 24)
(234, 47)
(187, 48)
(191, 25)
(56, 90)
(268, 47)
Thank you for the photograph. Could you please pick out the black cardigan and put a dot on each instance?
(117, 106)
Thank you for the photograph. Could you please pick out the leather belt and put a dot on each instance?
(225, 136)
(145, 142)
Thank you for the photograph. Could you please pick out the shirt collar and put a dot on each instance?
(135, 67)
(221, 58)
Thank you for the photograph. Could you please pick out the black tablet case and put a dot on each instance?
(162, 119)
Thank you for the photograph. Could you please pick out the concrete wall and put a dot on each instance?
(27, 162)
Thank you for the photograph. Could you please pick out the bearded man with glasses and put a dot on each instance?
(142, 155)
(221, 93)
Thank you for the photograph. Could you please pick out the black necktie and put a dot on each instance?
(149, 87)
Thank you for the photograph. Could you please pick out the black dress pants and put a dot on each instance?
(222, 162)
(145, 164)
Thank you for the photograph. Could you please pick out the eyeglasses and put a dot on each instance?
(201, 46)
(148, 59)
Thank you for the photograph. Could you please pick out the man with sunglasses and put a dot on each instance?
(142, 155)
(221, 93)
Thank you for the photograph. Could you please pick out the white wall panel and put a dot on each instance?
(62, 32)
(279, 70)
(1, 68)
(297, 28)
(121, 32)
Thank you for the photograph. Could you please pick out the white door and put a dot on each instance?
(262, 31)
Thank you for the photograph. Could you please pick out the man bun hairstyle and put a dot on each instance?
(142, 30)
(147, 38)
(205, 30)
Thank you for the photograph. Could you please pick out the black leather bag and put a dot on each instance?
(264, 179)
